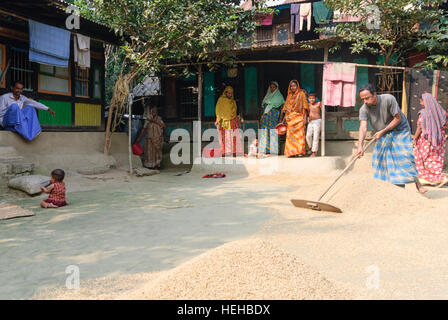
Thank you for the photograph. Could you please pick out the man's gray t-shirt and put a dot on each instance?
(383, 113)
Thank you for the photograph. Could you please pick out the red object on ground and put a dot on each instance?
(137, 149)
(212, 152)
(215, 175)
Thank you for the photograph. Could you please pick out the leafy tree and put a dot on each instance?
(388, 28)
(158, 32)
(436, 43)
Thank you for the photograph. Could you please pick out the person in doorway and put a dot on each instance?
(270, 118)
(295, 113)
(153, 128)
(228, 124)
(393, 158)
(18, 114)
(314, 125)
(430, 141)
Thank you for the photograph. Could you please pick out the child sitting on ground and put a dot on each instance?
(56, 190)
(253, 150)
(314, 124)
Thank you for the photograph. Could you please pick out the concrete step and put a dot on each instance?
(10, 170)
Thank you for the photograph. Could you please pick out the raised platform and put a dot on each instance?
(271, 165)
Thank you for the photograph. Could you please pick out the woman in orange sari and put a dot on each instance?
(295, 112)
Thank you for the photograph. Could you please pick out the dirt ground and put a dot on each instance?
(389, 242)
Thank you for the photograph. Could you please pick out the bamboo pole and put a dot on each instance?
(286, 61)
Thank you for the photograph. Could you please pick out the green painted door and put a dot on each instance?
(307, 77)
(209, 94)
(251, 92)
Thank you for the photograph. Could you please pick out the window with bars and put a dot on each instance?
(21, 68)
(264, 37)
(188, 102)
(81, 81)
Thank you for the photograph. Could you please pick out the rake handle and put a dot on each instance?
(345, 170)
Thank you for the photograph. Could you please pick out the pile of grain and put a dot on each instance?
(366, 195)
(246, 269)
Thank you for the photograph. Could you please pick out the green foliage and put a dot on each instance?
(159, 32)
(436, 43)
(396, 33)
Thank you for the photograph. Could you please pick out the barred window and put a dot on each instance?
(82, 82)
(21, 68)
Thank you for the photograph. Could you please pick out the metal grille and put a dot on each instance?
(390, 82)
(21, 68)
(189, 102)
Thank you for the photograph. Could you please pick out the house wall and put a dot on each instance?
(73, 113)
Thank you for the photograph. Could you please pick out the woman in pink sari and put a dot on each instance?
(430, 141)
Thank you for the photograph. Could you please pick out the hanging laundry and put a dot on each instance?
(82, 50)
(48, 44)
(305, 13)
(340, 80)
(264, 20)
(321, 13)
(295, 17)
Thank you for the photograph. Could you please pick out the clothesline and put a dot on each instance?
(287, 61)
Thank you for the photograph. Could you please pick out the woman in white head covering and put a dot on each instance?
(271, 114)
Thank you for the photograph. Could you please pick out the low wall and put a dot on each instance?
(74, 150)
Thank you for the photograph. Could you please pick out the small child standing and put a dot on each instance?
(56, 190)
(314, 125)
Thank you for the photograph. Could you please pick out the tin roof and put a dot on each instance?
(52, 12)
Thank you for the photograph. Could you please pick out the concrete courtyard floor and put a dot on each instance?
(117, 226)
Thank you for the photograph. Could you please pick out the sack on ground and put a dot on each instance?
(28, 184)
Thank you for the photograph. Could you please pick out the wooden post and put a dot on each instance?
(324, 89)
(200, 98)
(131, 98)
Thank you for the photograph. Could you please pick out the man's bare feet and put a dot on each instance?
(422, 190)
(314, 154)
(419, 186)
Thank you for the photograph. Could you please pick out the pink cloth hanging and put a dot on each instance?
(267, 21)
(340, 80)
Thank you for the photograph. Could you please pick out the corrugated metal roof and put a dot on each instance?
(317, 42)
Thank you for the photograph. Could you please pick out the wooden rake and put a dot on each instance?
(323, 206)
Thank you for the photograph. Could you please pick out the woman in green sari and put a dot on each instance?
(270, 118)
